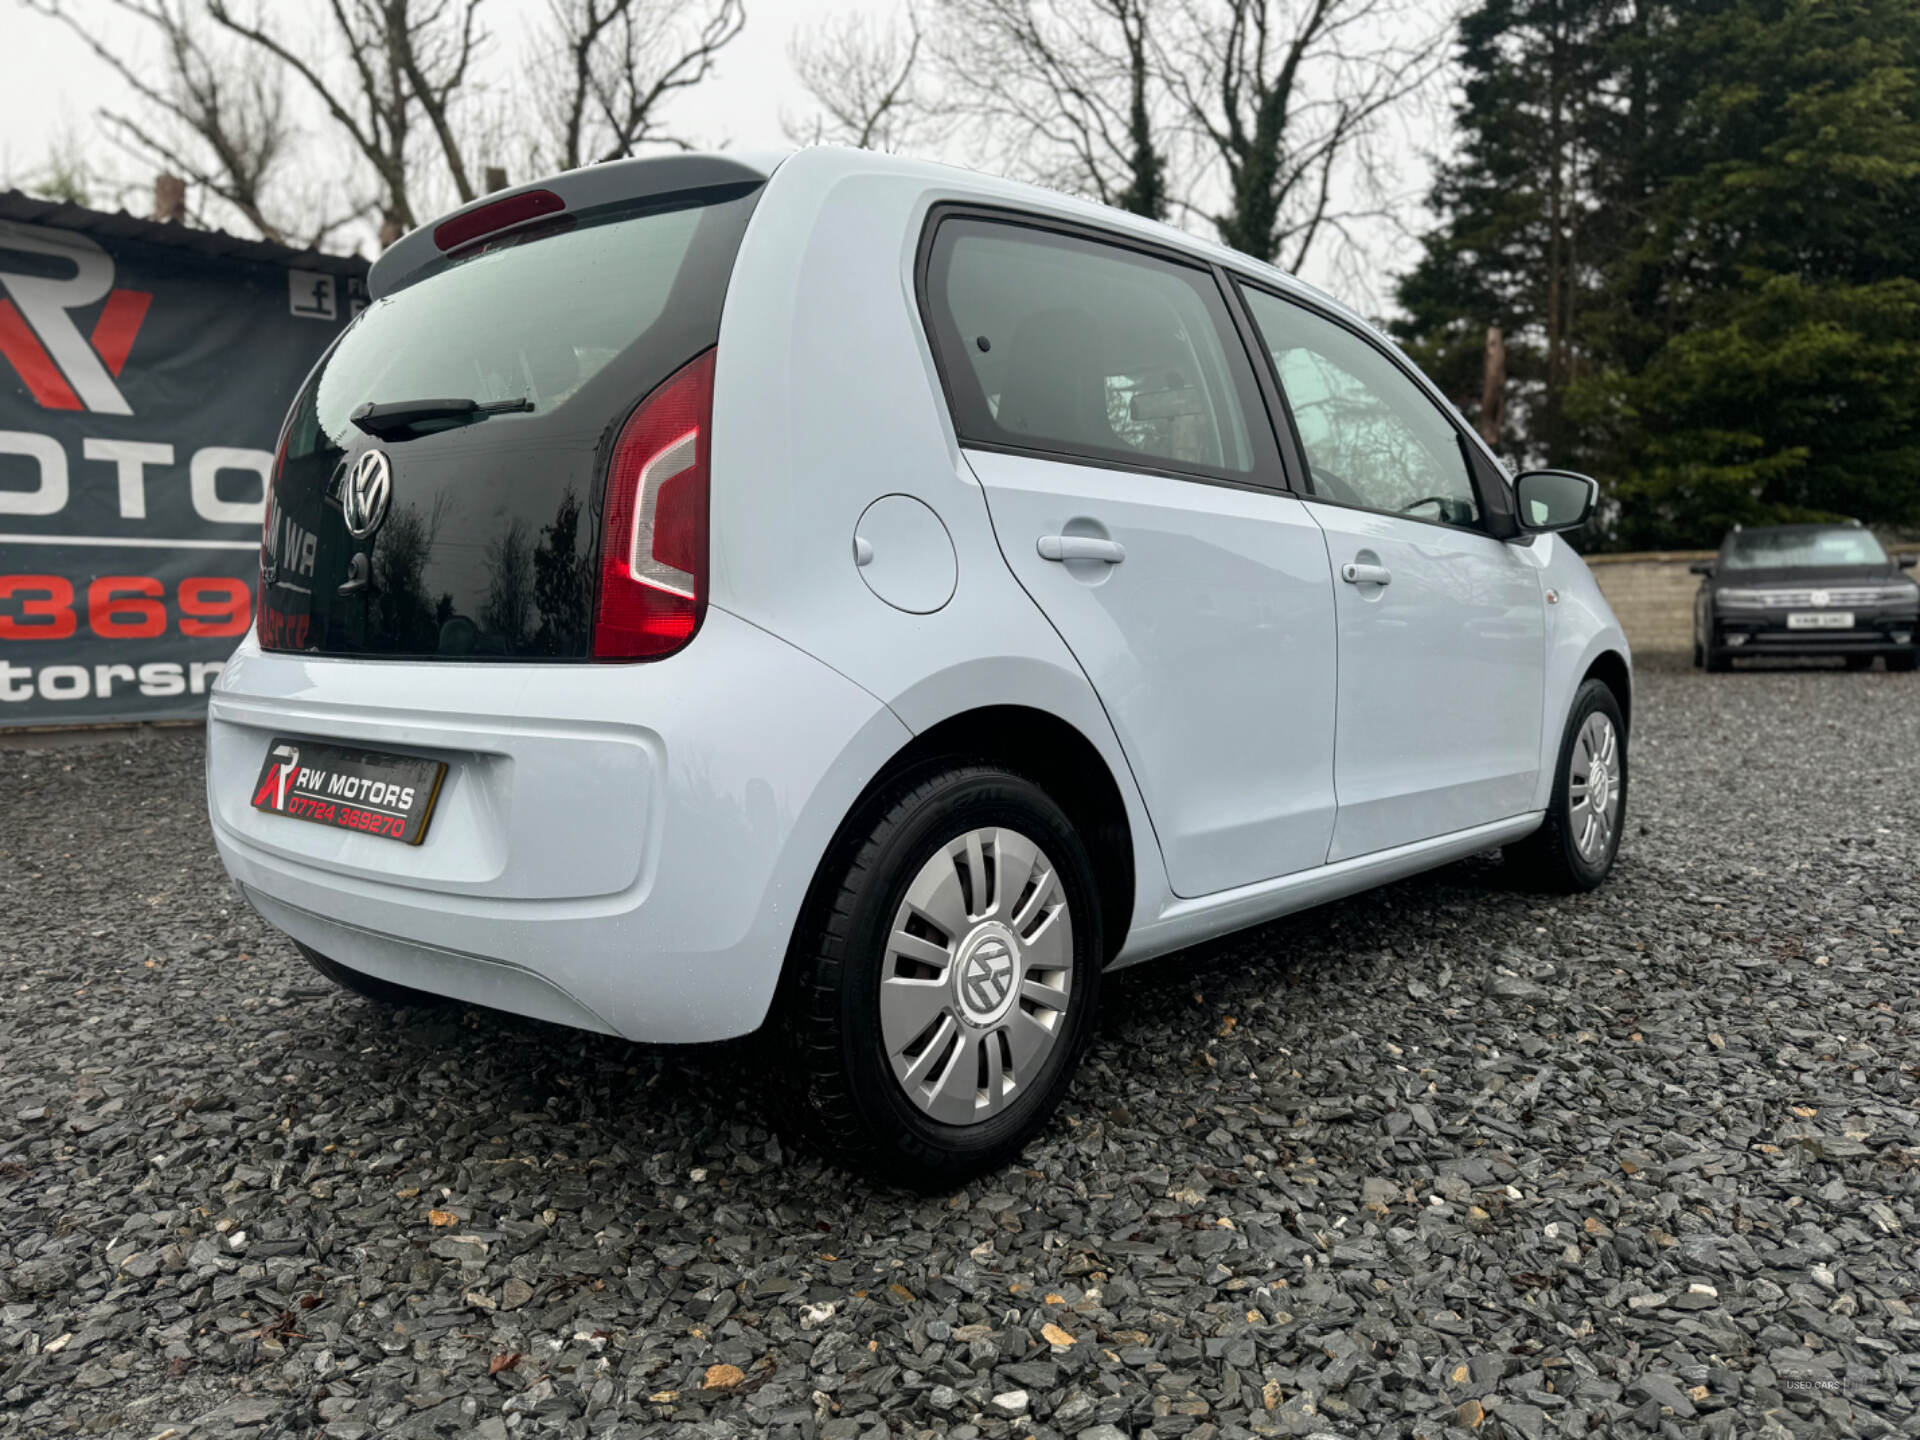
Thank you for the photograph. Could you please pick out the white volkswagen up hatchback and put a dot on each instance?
(863, 602)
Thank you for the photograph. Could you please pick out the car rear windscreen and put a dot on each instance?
(485, 547)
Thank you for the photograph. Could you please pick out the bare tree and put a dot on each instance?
(617, 63)
(409, 60)
(1069, 88)
(1284, 98)
(865, 77)
(218, 122)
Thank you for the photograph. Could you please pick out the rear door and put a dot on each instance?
(1110, 412)
(1442, 636)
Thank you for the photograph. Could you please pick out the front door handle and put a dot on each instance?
(1355, 573)
(1081, 547)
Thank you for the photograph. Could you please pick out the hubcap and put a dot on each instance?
(1593, 787)
(978, 975)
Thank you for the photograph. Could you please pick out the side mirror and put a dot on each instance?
(1700, 567)
(1907, 562)
(1554, 499)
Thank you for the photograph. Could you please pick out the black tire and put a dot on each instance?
(372, 987)
(1903, 661)
(1551, 858)
(840, 1085)
(1718, 661)
(1863, 662)
(1699, 656)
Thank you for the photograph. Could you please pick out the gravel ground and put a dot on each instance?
(1444, 1160)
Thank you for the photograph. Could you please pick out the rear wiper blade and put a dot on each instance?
(396, 417)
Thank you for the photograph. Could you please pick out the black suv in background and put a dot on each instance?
(1805, 590)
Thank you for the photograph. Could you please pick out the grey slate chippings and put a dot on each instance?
(1449, 1160)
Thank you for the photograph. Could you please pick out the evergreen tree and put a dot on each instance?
(1777, 374)
(1523, 216)
(1695, 223)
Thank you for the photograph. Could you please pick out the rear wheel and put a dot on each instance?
(944, 986)
(1574, 848)
(361, 983)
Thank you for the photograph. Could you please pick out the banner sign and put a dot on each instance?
(141, 390)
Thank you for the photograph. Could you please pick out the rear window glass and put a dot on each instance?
(486, 549)
(534, 318)
(1056, 343)
(1802, 549)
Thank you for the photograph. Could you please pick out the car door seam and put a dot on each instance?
(1079, 665)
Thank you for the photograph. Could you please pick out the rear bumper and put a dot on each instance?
(622, 848)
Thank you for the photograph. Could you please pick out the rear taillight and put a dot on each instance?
(653, 543)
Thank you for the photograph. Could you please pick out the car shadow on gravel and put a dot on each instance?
(572, 1076)
(1295, 948)
(636, 1098)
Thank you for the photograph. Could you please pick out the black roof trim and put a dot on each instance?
(18, 206)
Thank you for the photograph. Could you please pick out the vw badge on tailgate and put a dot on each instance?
(369, 487)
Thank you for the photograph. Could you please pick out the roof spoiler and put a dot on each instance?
(585, 189)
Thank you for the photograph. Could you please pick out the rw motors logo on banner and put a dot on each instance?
(62, 369)
(140, 390)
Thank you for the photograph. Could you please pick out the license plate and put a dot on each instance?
(369, 791)
(1820, 620)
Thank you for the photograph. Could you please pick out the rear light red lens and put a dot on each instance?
(653, 539)
(514, 210)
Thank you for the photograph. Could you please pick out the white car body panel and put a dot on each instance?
(1581, 630)
(713, 816)
(627, 847)
(1440, 673)
(1188, 922)
(1224, 594)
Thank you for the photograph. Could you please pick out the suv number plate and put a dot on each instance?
(1820, 620)
(388, 796)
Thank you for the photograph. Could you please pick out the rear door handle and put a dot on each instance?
(1081, 547)
(1355, 573)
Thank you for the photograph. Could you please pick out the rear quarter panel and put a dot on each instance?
(826, 399)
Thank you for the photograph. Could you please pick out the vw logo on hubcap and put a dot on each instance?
(984, 976)
(369, 487)
(1598, 783)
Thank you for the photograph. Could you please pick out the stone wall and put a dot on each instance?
(1653, 596)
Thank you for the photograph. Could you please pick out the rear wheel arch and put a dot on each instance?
(1041, 747)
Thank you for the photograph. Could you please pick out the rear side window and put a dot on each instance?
(1370, 435)
(1067, 346)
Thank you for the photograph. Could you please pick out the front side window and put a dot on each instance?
(1054, 343)
(1371, 436)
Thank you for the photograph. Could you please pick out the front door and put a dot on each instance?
(1442, 643)
(1113, 421)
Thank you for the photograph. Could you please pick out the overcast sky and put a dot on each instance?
(51, 85)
